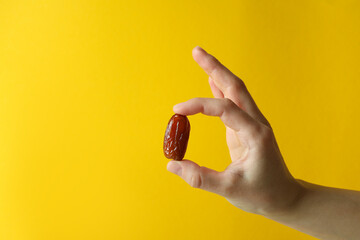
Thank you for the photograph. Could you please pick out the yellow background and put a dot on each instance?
(87, 89)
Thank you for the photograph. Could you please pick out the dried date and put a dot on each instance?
(176, 137)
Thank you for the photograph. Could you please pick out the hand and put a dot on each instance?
(257, 180)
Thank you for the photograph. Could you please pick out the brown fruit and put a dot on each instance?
(176, 137)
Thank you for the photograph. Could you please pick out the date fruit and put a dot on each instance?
(176, 137)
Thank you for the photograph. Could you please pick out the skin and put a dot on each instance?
(258, 181)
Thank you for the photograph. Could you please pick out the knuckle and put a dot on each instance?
(195, 180)
(261, 133)
(238, 86)
(234, 178)
(241, 84)
(232, 183)
(212, 62)
(257, 130)
(266, 135)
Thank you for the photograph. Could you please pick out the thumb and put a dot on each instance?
(199, 177)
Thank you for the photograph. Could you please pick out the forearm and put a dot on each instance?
(323, 212)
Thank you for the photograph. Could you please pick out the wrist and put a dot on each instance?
(285, 203)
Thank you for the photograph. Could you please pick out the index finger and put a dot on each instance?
(229, 84)
(230, 114)
(222, 76)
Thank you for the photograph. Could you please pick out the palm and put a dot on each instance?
(236, 145)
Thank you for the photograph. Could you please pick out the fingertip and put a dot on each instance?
(177, 107)
(174, 167)
(198, 48)
(197, 51)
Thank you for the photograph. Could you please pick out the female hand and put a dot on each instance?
(257, 180)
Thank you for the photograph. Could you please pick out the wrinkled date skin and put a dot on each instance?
(176, 137)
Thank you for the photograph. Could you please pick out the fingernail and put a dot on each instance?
(174, 167)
